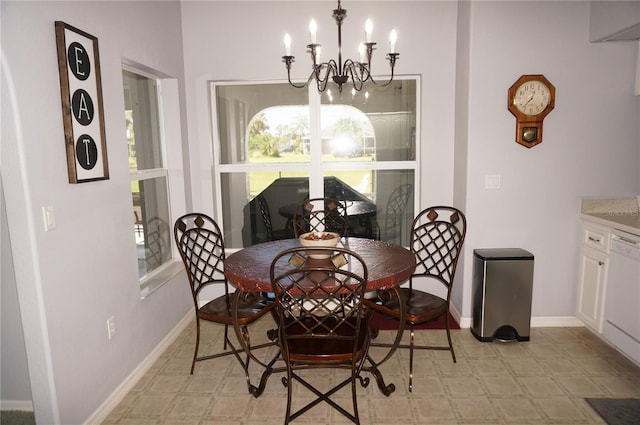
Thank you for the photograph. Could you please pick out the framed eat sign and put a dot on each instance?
(82, 110)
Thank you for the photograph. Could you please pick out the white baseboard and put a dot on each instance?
(536, 322)
(556, 322)
(130, 381)
(22, 405)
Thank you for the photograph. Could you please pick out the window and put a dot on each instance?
(276, 145)
(149, 185)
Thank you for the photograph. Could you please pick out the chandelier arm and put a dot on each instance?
(357, 80)
(351, 72)
(331, 69)
(392, 61)
(322, 85)
(378, 84)
(358, 70)
(288, 60)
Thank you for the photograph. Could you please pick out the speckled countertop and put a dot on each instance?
(621, 214)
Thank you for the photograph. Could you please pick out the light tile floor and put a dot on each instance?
(542, 381)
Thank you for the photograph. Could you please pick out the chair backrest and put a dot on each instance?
(263, 206)
(437, 235)
(319, 301)
(395, 211)
(201, 247)
(330, 217)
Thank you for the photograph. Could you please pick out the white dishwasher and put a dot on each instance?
(622, 305)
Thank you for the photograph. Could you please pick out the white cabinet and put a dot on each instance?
(594, 263)
(593, 275)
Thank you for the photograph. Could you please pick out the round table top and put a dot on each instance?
(388, 264)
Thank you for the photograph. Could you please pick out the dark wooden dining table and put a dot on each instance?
(388, 266)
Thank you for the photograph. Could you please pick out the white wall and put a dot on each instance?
(71, 279)
(590, 142)
(244, 42)
(15, 392)
(590, 147)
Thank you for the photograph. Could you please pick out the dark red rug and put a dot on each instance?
(384, 323)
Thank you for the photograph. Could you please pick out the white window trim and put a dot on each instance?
(173, 171)
(318, 167)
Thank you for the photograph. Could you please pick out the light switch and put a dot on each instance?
(49, 218)
(492, 181)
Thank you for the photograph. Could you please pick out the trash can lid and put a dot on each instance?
(502, 254)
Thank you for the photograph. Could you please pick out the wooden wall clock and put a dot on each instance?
(530, 99)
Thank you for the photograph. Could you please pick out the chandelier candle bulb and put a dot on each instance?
(313, 29)
(368, 29)
(287, 44)
(393, 37)
(363, 58)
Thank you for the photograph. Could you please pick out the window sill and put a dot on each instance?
(152, 283)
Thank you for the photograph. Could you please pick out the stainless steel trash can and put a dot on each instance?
(502, 286)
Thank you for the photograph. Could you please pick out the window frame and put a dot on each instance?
(316, 167)
(169, 129)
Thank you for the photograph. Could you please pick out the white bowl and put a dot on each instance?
(319, 239)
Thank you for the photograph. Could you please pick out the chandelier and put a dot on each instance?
(359, 72)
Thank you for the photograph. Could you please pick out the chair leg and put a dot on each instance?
(355, 399)
(411, 341)
(289, 385)
(195, 351)
(226, 336)
(453, 354)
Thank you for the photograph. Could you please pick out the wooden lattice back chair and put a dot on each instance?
(437, 236)
(331, 216)
(201, 246)
(321, 320)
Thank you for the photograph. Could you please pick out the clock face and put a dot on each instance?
(532, 97)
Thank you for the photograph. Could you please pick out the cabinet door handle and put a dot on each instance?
(592, 239)
(601, 263)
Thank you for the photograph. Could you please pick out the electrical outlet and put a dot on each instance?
(492, 181)
(111, 326)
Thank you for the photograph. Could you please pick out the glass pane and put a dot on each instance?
(385, 131)
(347, 134)
(143, 122)
(393, 193)
(267, 127)
(379, 203)
(250, 132)
(280, 134)
(152, 224)
(255, 206)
